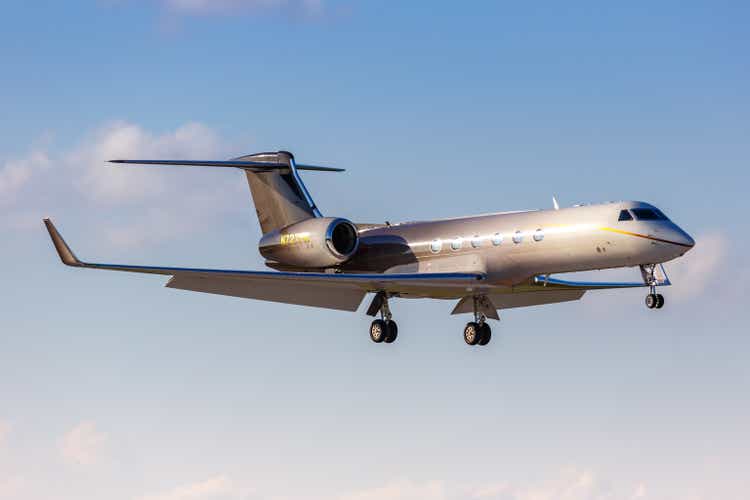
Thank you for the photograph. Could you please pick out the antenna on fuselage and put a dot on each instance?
(555, 204)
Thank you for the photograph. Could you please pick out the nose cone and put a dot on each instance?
(689, 240)
(671, 233)
(682, 239)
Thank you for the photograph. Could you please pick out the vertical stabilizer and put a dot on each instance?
(279, 195)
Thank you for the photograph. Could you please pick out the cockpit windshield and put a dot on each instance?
(648, 214)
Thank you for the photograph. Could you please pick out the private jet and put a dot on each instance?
(485, 263)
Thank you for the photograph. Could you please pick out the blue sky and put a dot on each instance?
(115, 387)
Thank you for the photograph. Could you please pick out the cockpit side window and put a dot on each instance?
(625, 215)
(647, 214)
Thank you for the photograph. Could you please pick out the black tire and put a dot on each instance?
(486, 334)
(651, 300)
(659, 301)
(378, 331)
(472, 333)
(391, 331)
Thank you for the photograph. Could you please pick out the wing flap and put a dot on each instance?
(520, 299)
(330, 296)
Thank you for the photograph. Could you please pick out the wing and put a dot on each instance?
(542, 290)
(549, 283)
(329, 290)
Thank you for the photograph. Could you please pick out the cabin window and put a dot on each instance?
(625, 215)
(538, 235)
(476, 241)
(457, 243)
(647, 214)
(497, 239)
(518, 237)
(436, 246)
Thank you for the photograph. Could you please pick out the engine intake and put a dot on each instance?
(313, 243)
(342, 238)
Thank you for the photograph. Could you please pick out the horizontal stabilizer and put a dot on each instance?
(254, 166)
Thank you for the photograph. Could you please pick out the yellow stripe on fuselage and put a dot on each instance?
(639, 235)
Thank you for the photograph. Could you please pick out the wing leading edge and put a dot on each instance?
(329, 290)
(548, 282)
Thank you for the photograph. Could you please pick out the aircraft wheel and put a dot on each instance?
(391, 331)
(659, 301)
(651, 300)
(471, 333)
(485, 334)
(378, 331)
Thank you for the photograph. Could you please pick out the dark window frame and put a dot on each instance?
(647, 214)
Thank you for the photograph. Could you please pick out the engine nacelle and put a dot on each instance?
(319, 243)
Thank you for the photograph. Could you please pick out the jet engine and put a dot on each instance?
(313, 243)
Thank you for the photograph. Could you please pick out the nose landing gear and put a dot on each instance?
(653, 300)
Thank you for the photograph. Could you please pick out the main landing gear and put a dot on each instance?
(653, 300)
(477, 332)
(383, 329)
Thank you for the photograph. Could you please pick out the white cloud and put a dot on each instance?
(158, 203)
(218, 487)
(402, 490)
(491, 490)
(570, 483)
(83, 444)
(122, 140)
(11, 487)
(696, 271)
(16, 174)
(202, 7)
(640, 491)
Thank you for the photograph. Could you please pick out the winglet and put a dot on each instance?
(63, 250)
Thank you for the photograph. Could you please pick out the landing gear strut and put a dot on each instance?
(383, 329)
(477, 332)
(653, 300)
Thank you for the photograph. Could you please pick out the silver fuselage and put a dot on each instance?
(512, 247)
